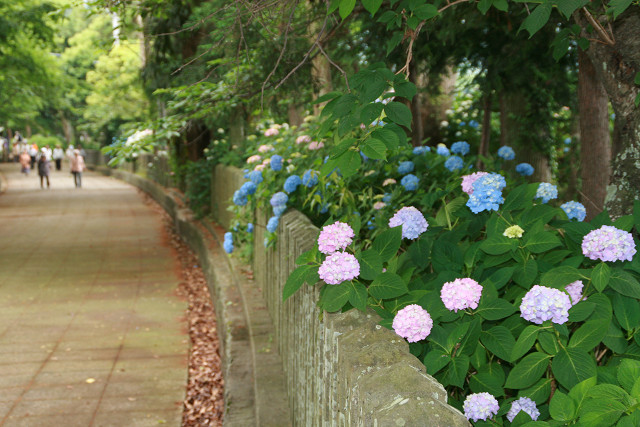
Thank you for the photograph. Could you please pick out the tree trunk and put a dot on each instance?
(616, 66)
(417, 130)
(485, 138)
(595, 153)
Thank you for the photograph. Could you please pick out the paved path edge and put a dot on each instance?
(3, 183)
(255, 392)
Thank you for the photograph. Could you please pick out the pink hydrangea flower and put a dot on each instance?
(339, 267)
(265, 148)
(388, 181)
(575, 291)
(335, 237)
(260, 168)
(609, 244)
(271, 132)
(315, 145)
(254, 159)
(413, 323)
(468, 180)
(379, 205)
(461, 294)
(303, 139)
(480, 406)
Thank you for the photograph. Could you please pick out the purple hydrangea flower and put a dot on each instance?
(575, 291)
(468, 180)
(279, 199)
(412, 221)
(339, 267)
(506, 153)
(454, 163)
(574, 210)
(335, 237)
(291, 183)
(523, 404)
(609, 244)
(524, 169)
(410, 182)
(405, 167)
(542, 303)
(413, 323)
(480, 406)
(460, 147)
(546, 192)
(461, 294)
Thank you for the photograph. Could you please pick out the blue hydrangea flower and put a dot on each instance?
(410, 182)
(567, 141)
(525, 169)
(250, 228)
(248, 188)
(279, 210)
(574, 210)
(546, 192)
(474, 124)
(506, 153)
(566, 149)
(442, 150)
(276, 163)
(291, 183)
(255, 177)
(310, 178)
(386, 198)
(279, 198)
(405, 167)
(272, 224)
(240, 198)
(460, 147)
(487, 193)
(228, 242)
(421, 150)
(463, 124)
(324, 208)
(454, 163)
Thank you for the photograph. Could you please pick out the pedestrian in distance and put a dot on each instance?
(33, 152)
(25, 162)
(44, 167)
(58, 155)
(77, 167)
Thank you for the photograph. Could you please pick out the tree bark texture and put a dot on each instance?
(616, 66)
(595, 153)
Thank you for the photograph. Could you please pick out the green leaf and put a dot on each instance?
(334, 297)
(562, 407)
(371, 112)
(600, 276)
(446, 256)
(528, 371)
(307, 257)
(519, 198)
(540, 242)
(624, 283)
(370, 264)
(628, 373)
(346, 7)
(610, 391)
(619, 6)
(387, 285)
(489, 378)
(495, 309)
(601, 412)
(394, 41)
(420, 250)
(579, 392)
(498, 245)
(344, 105)
(371, 6)
(387, 243)
(457, 370)
(539, 392)
(349, 163)
(537, 19)
(374, 86)
(426, 11)
(581, 311)
(567, 7)
(295, 280)
(501, 5)
(615, 339)
(525, 274)
(405, 90)
(499, 341)
(632, 420)
(573, 365)
(358, 296)
(387, 136)
(435, 360)
(374, 149)
(603, 308)
(627, 311)
(500, 277)
(398, 113)
(484, 6)
(589, 335)
(525, 341)
(327, 97)
(560, 277)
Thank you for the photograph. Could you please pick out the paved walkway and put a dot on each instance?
(91, 331)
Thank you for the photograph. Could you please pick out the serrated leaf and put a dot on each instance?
(398, 113)
(307, 257)
(358, 296)
(371, 112)
(346, 7)
(628, 373)
(624, 283)
(370, 264)
(334, 297)
(562, 407)
(579, 392)
(538, 18)
(498, 245)
(349, 163)
(539, 392)
(619, 6)
(426, 11)
(567, 7)
(501, 5)
(627, 311)
(600, 276)
(405, 90)
(327, 96)
(601, 412)
(374, 149)
(573, 365)
(589, 335)
(484, 6)
(525, 341)
(529, 370)
(371, 6)
(387, 243)
(387, 136)
(495, 309)
(394, 41)
(343, 105)
(499, 341)
(541, 242)
(295, 280)
(387, 285)
(560, 277)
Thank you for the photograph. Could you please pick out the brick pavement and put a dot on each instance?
(91, 331)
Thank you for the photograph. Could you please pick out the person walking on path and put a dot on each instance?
(43, 168)
(33, 152)
(25, 162)
(77, 167)
(58, 155)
